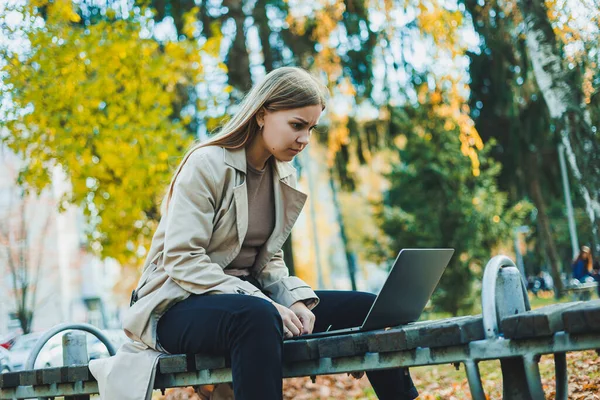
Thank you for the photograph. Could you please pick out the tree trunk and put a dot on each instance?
(544, 226)
(25, 317)
(261, 21)
(238, 61)
(350, 258)
(582, 145)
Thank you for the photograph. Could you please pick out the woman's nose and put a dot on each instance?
(303, 139)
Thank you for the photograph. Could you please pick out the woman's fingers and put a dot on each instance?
(287, 332)
(291, 322)
(308, 322)
(296, 321)
(312, 322)
(292, 327)
(305, 324)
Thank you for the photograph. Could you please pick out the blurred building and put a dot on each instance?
(70, 284)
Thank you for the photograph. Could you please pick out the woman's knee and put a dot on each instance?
(260, 312)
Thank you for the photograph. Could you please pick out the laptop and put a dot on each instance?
(404, 294)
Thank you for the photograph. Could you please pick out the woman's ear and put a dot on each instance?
(260, 117)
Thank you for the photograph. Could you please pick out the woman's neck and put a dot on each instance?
(256, 155)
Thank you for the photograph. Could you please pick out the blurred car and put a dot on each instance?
(51, 354)
(20, 350)
(5, 365)
(7, 340)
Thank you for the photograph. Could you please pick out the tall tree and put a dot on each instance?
(565, 102)
(435, 201)
(344, 42)
(507, 105)
(100, 102)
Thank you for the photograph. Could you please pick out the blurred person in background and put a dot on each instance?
(582, 266)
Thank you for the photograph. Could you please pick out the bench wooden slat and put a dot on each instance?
(9, 380)
(585, 318)
(46, 376)
(174, 363)
(209, 362)
(30, 377)
(54, 375)
(543, 321)
(448, 332)
(343, 345)
(385, 341)
(77, 373)
(300, 350)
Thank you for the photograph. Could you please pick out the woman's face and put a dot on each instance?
(286, 133)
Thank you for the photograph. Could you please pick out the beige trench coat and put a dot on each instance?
(201, 233)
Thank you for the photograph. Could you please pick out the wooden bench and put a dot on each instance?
(516, 340)
(581, 291)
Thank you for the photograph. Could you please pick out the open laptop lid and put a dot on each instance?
(408, 287)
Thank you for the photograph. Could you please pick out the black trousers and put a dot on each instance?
(250, 331)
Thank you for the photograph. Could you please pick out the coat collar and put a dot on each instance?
(236, 158)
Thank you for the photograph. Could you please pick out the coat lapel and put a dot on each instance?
(236, 158)
(240, 194)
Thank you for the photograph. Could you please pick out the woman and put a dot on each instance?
(582, 266)
(215, 281)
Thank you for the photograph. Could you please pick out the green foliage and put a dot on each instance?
(436, 201)
(507, 105)
(101, 102)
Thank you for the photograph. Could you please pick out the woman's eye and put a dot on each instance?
(296, 125)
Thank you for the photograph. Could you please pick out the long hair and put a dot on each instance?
(590, 262)
(284, 88)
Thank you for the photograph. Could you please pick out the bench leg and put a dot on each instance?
(474, 379)
(562, 379)
(514, 384)
(532, 372)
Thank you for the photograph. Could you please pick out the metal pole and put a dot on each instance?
(562, 378)
(313, 218)
(474, 379)
(569, 204)
(74, 349)
(75, 353)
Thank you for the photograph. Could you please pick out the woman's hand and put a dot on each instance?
(304, 315)
(291, 324)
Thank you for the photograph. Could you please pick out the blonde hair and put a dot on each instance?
(284, 88)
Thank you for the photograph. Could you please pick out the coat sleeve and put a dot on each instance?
(283, 288)
(188, 232)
